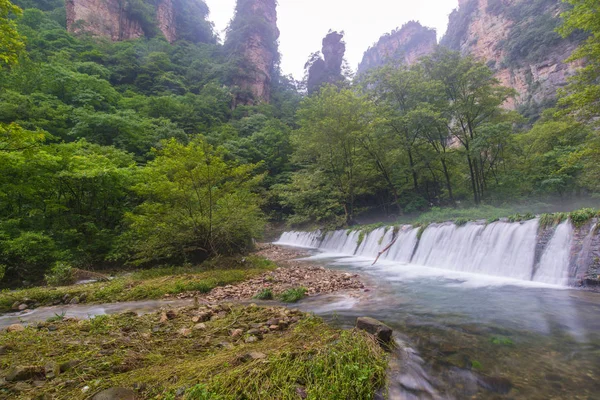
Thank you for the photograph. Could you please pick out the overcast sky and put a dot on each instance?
(304, 23)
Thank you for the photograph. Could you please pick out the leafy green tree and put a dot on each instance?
(195, 204)
(11, 43)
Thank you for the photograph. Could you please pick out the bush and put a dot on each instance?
(61, 273)
(265, 294)
(293, 295)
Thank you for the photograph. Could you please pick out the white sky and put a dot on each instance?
(304, 23)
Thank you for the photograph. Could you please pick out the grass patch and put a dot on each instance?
(160, 362)
(293, 295)
(265, 294)
(148, 284)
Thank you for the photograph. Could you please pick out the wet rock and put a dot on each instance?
(273, 321)
(83, 297)
(24, 373)
(22, 307)
(15, 328)
(66, 298)
(117, 393)
(381, 331)
(495, 384)
(274, 327)
(252, 331)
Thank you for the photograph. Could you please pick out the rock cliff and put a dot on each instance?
(404, 46)
(122, 19)
(328, 67)
(252, 40)
(517, 39)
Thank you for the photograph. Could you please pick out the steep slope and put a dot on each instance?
(328, 68)
(405, 46)
(516, 38)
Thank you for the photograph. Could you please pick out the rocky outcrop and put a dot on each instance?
(328, 67)
(517, 39)
(402, 46)
(112, 19)
(252, 39)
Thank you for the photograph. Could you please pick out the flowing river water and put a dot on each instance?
(487, 307)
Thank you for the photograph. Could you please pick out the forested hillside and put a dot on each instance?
(132, 152)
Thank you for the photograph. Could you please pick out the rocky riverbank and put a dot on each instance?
(292, 273)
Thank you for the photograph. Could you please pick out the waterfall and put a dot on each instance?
(500, 249)
(555, 259)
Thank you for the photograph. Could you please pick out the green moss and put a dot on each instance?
(123, 350)
(149, 284)
(461, 221)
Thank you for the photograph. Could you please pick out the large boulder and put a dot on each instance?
(381, 331)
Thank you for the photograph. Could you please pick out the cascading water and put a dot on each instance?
(500, 249)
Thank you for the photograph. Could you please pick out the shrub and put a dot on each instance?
(265, 294)
(61, 273)
(293, 295)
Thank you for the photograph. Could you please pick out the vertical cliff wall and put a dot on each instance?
(517, 39)
(403, 46)
(119, 19)
(252, 40)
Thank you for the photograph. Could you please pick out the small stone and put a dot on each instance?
(38, 384)
(226, 345)
(21, 387)
(251, 339)
(15, 328)
(65, 298)
(117, 393)
(66, 366)
(255, 355)
(22, 307)
(24, 373)
(51, 370)
(273, 321)
(376, 328)
(15, 306)
(163, 318)
(200, 327)
(253, 331)
(195, 319)
(236, 333)
(171, 314)
(83, 297)
(301, 392)
(74, 300)
(85, 389)
(186, 332)
(274, 327)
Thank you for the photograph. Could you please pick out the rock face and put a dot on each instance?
(517, 39)
(110, 18)
(328, 67)
(252, 39)
(381, 331)
(403, 46)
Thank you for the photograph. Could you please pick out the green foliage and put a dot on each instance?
(293, 295)
(60, 274)
(265, 294)
(461, 221)
(11, 42)
(195, 204)
(580, 217)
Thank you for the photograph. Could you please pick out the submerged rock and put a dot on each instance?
(381, 331)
